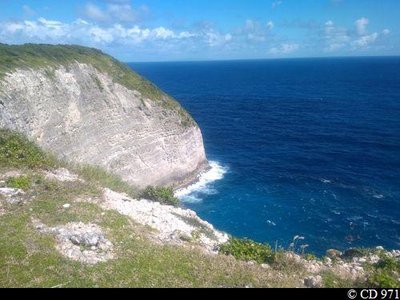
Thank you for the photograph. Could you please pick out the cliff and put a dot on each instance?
(87, 107)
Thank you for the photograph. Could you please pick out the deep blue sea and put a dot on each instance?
(307, 147)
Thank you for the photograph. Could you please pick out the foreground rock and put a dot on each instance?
(81, 242)
(174, 225)
(12, 196)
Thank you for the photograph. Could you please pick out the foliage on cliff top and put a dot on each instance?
(32, 56)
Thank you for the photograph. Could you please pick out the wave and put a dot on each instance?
(203, 186)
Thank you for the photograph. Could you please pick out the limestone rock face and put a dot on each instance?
(82, 114)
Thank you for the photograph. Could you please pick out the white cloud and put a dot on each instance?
(117, 35)
(361, 26)
(215, 38)
(285, 48)
(335, 37)
(365, 40)
(255, 31)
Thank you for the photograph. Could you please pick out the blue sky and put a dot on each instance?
(162, 30)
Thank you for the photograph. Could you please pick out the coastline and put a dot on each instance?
(193, 177)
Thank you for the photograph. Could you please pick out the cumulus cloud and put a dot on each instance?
(285, 48)
(365, 40)
(361, 25)
(255, 31)
(117, 35)
(337, 37)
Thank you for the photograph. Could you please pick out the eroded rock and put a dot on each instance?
(81, 242)
(313, 281)
(12, 196)
(173, 224)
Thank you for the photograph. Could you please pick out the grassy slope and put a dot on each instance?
(33, 56)
(29, 259)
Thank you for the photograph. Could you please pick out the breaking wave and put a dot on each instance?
(204, 185)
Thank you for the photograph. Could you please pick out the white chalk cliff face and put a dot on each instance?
(82, 114)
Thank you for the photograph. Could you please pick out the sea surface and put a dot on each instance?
(307, 147)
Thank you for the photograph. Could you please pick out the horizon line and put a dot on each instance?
(266, 58)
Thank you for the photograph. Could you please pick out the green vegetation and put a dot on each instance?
(17, 151)
(385, 273)
(21, 182)
(248, 250)
(101, 177)
(33, 56)
(30, 259)
(164, 195)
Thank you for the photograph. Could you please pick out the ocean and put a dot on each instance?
(298, 147)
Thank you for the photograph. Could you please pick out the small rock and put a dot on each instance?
(328, 261)
(265, 266)
(374, 259)
(313, 281)
(362, 260)
(67, 205)
(379, 248)
(352, 253)
(333, 253)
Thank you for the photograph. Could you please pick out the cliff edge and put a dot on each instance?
(87, 107)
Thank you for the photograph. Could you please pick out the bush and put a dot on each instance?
(386, 273)
(21, 182)
(248, 250)
(164, 195)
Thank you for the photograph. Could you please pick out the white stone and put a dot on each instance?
(67, 205)
(167, 220)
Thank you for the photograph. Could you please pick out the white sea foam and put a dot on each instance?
(204, 184)
(269, 222)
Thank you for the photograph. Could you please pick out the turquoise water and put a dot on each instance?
(307, 147)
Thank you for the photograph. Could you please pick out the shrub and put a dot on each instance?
(248, 250)
(386, 273)
(164, 195)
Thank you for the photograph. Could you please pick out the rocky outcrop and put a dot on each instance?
(83, 114)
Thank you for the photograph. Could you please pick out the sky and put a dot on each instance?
(175, 30)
